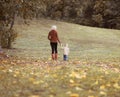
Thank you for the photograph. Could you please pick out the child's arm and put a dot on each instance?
(68, 50)
(58, 38)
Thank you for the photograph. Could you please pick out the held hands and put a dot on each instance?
(61, 45)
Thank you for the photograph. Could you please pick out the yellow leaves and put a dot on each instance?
(15, 75)
(17, 72)
(78, 75)
(90, 81)
(4, 61)
(72, 74)
(10, 70)
(103, 93)
(49, 58)
(68, 92)
(34, 96)
(72, 81)
(116, 69)
(78, 88)
(55, 75)
(74, 95)
(102, 90)
(14, 82)
(76, 62)
(96, 83)
(75, 77)
(1, 68)
(91, 96)
(35, 81)
(102, 87)
(116, 85)
(108, 84)
(106, 72)
(13, 63)
(90, 91)
(31, 79)
(51, 95)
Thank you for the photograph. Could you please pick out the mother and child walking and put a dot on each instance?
(54, 40)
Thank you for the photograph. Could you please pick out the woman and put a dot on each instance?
(54, 39)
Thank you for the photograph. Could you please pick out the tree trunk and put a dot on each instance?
(1, 31)
(9, 31)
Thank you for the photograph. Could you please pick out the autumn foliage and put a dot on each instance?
(35, 78)
(98, 13)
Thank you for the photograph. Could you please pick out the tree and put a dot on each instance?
(107, 13)
(9, 10)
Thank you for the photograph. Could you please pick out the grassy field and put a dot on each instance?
(37, 78)
(84, 42)
(93, 68)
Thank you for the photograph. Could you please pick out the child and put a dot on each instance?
(66, 52)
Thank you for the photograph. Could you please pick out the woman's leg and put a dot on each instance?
(56, 52)
(53, 50)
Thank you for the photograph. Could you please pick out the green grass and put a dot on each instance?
(93, 68)
(84, 42)
(35, 78)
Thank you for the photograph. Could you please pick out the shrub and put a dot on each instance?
(7, 37)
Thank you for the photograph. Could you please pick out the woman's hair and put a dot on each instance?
(54, 27)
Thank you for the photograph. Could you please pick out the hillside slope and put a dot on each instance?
(84, 42)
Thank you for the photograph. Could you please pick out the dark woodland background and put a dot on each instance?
(96, 13)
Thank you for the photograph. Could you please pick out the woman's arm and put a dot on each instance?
(49, 37)
(58, 38)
